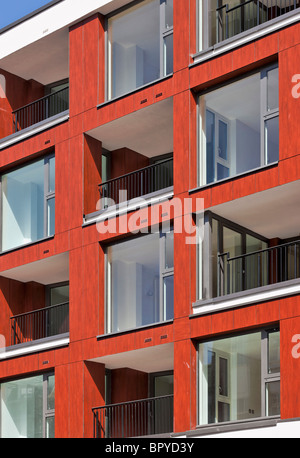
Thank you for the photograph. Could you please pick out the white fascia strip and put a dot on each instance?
(33, 348)
(132, 205)
(263, 31)
(199, 309)
(32, 131)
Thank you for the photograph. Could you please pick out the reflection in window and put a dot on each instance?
(232, 372)
(239, 127)
(27, 407)
(28, 203)
(140, 45)
(140, 282)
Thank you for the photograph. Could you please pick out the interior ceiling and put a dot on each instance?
(54, 269)
(151, 359)
(271, 213)
(148, 131)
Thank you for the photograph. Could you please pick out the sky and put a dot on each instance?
(12, 10)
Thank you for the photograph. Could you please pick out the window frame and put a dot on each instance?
(265, 377)
(163, 273)
(164, 33)
(265, 115)
(48, 195)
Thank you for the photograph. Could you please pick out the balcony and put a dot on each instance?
(139, 183)
(40, 324)
(41, 110)
(259, 268)
(134, 419)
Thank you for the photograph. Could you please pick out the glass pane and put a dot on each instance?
(272, 89)
(22, 408)
(256, 265)
(242, 383)
(59, 295)
(222, 150)
(169, 297)
(274, 352)
(223, 377)
(210, 146)
(239, 130)
(215, 260)
(168, 55)
(50, 392)
(273, 398)
(272, 140)
(134, 282)
(232, 244)
(169, 14)
(52, 174)
(50, 429)
(134, 47)
(23, 205)
(169, 251)
(51, 216)
(163, 385)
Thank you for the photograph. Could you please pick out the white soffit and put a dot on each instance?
(271, 213)
(54, 269)
(151, 359)
(148, 131)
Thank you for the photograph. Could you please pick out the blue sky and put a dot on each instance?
(12, 10)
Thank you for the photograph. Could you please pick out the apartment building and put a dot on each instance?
(150, 224)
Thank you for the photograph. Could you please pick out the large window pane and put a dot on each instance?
(237, 131)
(134, 38)
(230, 379)
(22, 408)
(139, 286)
(23, 205)
(134, 282)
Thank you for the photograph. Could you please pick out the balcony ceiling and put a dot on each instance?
(45, 60)
(150, 359)
(54, 269)
(148, 131)
(271, 213)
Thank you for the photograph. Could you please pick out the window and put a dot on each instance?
(27, 407)
(220, 20)
(140, 282)
(28, 203)
(140, 45)
(239, 127)
(57, 314)
(239, 377)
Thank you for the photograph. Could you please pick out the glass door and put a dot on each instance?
(233, 264)
(57, 316)
(162, 390)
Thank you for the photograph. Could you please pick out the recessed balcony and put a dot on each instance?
(140, 183)
(144, 417)
(41, 110)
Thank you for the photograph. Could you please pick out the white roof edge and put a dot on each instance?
(49, 20)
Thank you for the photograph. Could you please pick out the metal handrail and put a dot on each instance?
(134, 418)
(41, 109)
(138, 182)
(40, 323)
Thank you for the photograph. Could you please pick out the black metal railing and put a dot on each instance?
(137, 184)
(41, 109)
(133, 419)
(232, 20)
(259, 268)
(39, 324)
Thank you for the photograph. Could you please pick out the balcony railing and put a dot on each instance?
(39, 324)
(259, 268)
(137, 184)
(232, 20)
(133, 419)
(41, 109)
